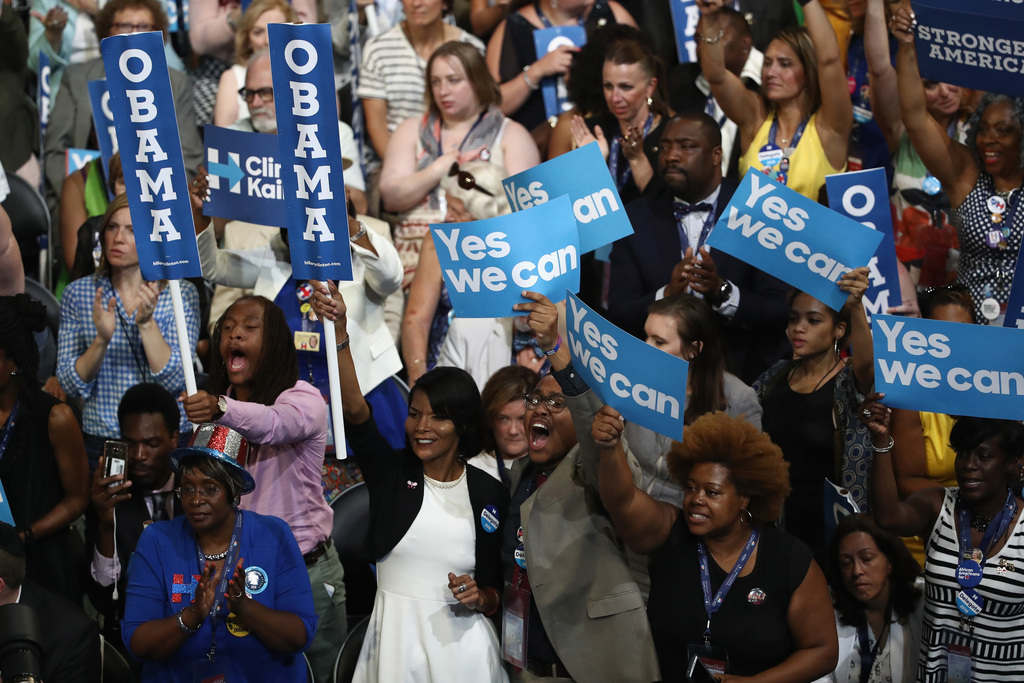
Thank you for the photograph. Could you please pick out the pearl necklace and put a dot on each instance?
(446, 484)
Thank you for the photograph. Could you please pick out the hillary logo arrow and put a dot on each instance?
(230, 171)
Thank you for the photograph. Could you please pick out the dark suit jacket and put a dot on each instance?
(642, 263)
(70, 123)
(70, 639)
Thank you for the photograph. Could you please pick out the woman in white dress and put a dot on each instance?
(435, 527)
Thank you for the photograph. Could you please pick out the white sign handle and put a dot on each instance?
(182, 328)
(338, 419)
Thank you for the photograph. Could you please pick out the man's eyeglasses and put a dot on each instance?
(466, 180)
(554, 402)
(124, 27)
(266, 94)
(189, 492)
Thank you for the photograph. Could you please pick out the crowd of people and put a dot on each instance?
(519, 528)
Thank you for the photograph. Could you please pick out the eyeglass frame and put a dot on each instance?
(466, 180)
(245, 93)
(134, 28)
(204, 493)
(549, 401)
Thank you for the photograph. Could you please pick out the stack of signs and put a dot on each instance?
(103, 122)
(245, 177)
(787, 235)
(978, 45)
(556, 97)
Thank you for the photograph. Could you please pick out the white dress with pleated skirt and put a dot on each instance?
(418, 631)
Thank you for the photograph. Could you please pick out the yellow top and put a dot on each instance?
(807, 167)
(938, 458)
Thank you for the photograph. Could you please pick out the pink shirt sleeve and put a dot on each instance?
(298, 413)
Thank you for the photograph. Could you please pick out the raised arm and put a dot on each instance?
(516, 90)
(885, 99)
(908, 452)
(424, 293)
(329, 306)
(835, 117)
(856, 283)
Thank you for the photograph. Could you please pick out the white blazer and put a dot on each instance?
(905, 638)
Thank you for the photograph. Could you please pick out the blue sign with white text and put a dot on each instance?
(951, 368)
(301, 60)
(487, 264)
(784, 234)
(103, 122)
(154, 171)
(685, 15)
(864, 197)
(1015, 304)
(977, 45)
(245, 178)
(43, 92)
(77, 159)
(645, 384)
(583, 175)
(552, 88)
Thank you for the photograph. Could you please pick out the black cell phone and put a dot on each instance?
(116, 454)
(699, 673)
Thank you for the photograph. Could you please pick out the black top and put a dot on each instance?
(802, 426)
(395, 481)
(518, 50)
(610, 127)
(750, 624)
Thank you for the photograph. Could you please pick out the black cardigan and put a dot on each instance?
(395, 481)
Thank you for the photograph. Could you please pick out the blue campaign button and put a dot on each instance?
(968, 574)
(256, 579)
(520, 556)
(969, 602)
(489, 519)
(769, 155)
(931, 185)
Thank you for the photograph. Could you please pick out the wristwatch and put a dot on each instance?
(723, 293)
(360, 234)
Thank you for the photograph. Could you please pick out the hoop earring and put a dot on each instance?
(749, 521)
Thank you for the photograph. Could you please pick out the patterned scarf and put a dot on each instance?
(478, 141)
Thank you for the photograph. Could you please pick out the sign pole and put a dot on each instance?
(182, 329)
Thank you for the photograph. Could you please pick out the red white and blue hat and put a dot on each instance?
(219, 443)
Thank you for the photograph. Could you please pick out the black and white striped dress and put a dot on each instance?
(997, 645)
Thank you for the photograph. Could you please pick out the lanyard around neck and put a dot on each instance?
(711, 606)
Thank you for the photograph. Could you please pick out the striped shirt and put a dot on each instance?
(392, 71)
(997, 645)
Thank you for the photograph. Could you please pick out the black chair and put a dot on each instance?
(348, 656)
(48, 352)
(115, 666)
(30, 219)
(351, 522)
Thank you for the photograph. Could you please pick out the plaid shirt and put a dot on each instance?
(124, 364)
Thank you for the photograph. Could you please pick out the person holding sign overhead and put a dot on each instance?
(810, 405)
(974, 595)
(983, 178)
(798, 128)
(765, 607)
(435, 526)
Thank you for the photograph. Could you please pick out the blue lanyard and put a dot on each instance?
(996, 528)
(709, 109)
(613, 156)
(226, 572)
(547, 22)
(9, 429)
(868, 655)
(712, 606)
(773, 131)
(684, 239)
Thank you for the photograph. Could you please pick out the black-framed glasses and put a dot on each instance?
(266, 94)
(554, 402)
(125, 27)
(466, 179)
(189, 492)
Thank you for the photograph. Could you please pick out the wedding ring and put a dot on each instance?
(462, 588)
(866, 413)
(237, 596)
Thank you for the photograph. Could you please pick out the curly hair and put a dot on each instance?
(243, 48)
(799, 40)
(903, 594)
(453, 395)
(756, 466)
(105, 17)
(973, 123)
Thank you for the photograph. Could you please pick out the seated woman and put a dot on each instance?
(872, 576)
(811, 405)
(43, 468)
(974, 599)
(117, 330)
(504, 409)
(431, 516)
(250, 38)
(765, 608)
(982, 178)
(797, 129)
(247, 610)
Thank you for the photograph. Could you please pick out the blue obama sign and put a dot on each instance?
(583, 175)
(643, 383)
(1015, 304)
(154, 172)
(952, 368)
(976, 44)
(553, 90)
(487, 264)
(103, 121)
(787, 235)
(307, 126)
(864, 197)
(685, 15)
(245, 178)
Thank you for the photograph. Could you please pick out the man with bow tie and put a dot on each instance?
(667, 253)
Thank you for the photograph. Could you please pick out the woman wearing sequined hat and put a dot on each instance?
(218, 590)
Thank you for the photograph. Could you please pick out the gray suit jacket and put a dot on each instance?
(70, 122)
(592, 609)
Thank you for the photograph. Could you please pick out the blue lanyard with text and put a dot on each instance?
(226, 572)
(613, 156)
(996, 528)
(711, 606)
(709, 109)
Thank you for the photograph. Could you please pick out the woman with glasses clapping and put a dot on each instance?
(218, 591)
